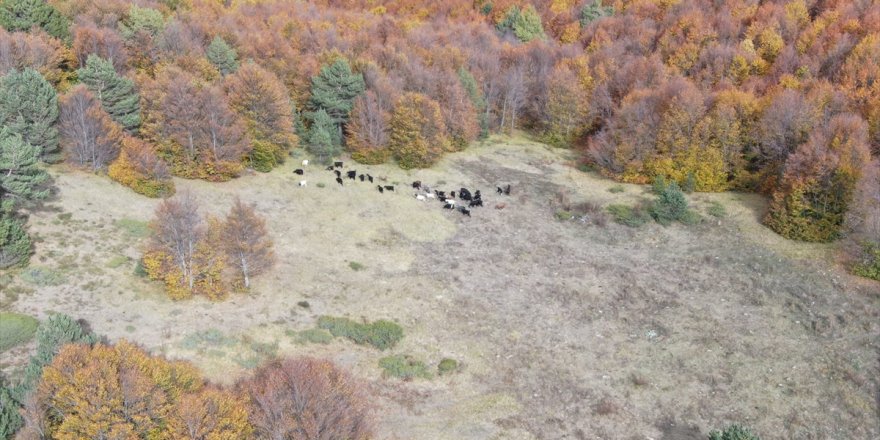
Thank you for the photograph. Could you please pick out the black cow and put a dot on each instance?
(351, 174)
(338, 173)
(339, 180)
(475, 202)
(451, 194)
(441, 194)
(464, 211)
(299, 171)
(379, 187)
(417, 184)
(477, 194)
(330, 168)
(464, 194)
(370, 178)
(362, 177)
(389, 187)
(507, 190)
(499, 190)
(449, 206)
(337, 164)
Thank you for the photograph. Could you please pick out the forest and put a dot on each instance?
(779, 98)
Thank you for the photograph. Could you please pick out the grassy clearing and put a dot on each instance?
(43, 276)
(133, 228)
(16, 329)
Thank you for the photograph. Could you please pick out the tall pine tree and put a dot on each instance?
(29, 107)
(321, 141)
(222, 56)
(117, 93)
(22, 15)
(21, 181)
(334, 91)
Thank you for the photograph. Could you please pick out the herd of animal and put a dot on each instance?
(462, 203)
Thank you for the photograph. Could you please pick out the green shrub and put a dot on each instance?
(734, 432)
(868, 265)
(447, 366)
(670, 205)
(355, 266)
(10, 420)
(321, 185)
(563, 215)
(16, 329)
(632, 216)
(403, 367)
(616, 189)
(717, 210)
(117, 261)
(15, 244)
(659, 185)
(314, 336)
(380, 334)
(53, 333)
(207, 338)
(43, 277)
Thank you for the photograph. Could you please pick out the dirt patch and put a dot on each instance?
(563, 329)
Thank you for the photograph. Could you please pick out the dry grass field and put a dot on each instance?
(564, 329)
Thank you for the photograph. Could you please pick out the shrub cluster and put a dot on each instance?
(381, 334)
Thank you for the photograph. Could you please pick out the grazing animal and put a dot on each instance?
(499, 190)
(370, 178)
(464, 194)
(351, 174)
(379, 187)
(338, 173)
(464, 211)
(501, 206)
(299, 171)
(303, 183)
(305, 162)
(420, 197)
(449, 206)
(339, 180)
(337, 164)
(507, 190)
(475, 202)
(477, 194)
(417, 184)
(450, 201)
(430, 196)
(452, 194)
(362, 177)
(441, 194)
(389, 187)
(330, 168)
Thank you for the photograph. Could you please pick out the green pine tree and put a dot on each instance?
(22, 15)
(15, 249)
(21, 177)
(734, 432)
(320, 138)
(117, 93)
(29, 107)
(140, 20)
(334, 91)
(594, 11)
(222, 55)
(525, 23)
(469, 83)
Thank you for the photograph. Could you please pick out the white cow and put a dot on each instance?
(305, 162)
(303, 183)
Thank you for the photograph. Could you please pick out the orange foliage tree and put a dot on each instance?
(89, 137)
(246, 241)
(139, 168)
(418, 134)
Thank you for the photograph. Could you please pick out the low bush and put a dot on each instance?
(381, 334)
(132, 227)
(355, 266)
(43, 276)
(16, 329)
(616, 189)
(734, 432)
(403, 367)
(563, 215)
(868, 265)
(447, 366)
(716, 210)
(632, 216)
(670, 205)
(314, 336)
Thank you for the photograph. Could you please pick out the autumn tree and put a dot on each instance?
(418, 135)
(222, 55)
(90, 39)
(567, 107)
(38, 51)
(819, 181)
(22, 15)
(116, 92)
(334, 91)
(246, 242)
(89, 138)
(368, 130)
(29, 107)
(262, 100)
(120, 391)
(306, 399)
(141, 169)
